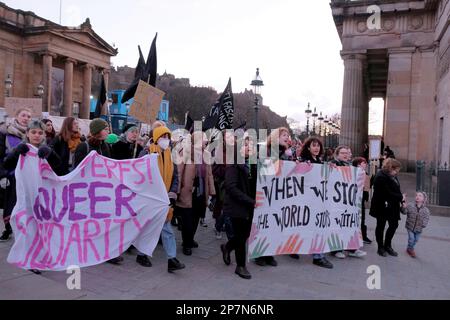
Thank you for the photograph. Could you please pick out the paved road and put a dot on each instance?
(206, 276)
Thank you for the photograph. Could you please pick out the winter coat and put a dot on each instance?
(82, 151)
(416, 218)
(186, 177)
(240, 191)
(62, 149)
(123, 150)
(386, 197)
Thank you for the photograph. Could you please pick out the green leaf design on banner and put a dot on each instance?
(335, 243)
(260, 249)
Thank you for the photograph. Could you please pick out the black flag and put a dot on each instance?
(222, 113)
(100, 100)
(189, 123)
(140, 68)
(148, 74)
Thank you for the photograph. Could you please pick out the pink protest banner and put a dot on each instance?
(89, 216)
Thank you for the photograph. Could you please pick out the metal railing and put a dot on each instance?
(434, 179)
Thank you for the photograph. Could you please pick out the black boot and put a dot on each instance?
(391, 251)
(6, 235)
(270, 261)
(324, 263)
(174, 265)
(117, 260)
(243, 273)
(382, 252)
(225, 254)
(295, 256)
(143, 261)
(364, 235)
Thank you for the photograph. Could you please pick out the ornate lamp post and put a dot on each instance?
(8, 85)
(308, 112)
(321, 118)
(314, 115)
(257, 83)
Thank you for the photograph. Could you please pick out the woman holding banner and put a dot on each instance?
(13, 135)
(311, 152)
(239, 204)
(386, 203)
(98, 132)
(65, 145)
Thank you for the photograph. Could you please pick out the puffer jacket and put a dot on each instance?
(416, 218)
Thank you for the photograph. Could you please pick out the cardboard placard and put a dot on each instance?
(147, 102)
(12, 105)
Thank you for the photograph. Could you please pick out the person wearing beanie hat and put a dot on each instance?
(417, 217)
(126, 147)
(169, 174)
(97, 125)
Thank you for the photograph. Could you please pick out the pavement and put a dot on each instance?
(206, 277)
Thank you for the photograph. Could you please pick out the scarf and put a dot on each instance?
(15, 129)
(74, 141)
(166, 168)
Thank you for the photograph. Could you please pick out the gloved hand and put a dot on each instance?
(44, 152)
(173, 199)
(22, 149)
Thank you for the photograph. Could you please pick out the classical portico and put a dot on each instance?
(405, 63)
(36, 51)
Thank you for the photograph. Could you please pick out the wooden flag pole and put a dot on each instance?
(136, 143)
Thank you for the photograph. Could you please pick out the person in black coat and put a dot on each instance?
(239, 204)
(386, 203)
(125, 148)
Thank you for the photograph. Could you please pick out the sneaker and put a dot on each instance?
(382, 252)
(143, 261)
(391, 252)
(174, 265)
(324, 263)
(357, 254)
(218, 234)
(339, 255)
(411, 252)
(243, 273)
(35, 271)
(6, 235)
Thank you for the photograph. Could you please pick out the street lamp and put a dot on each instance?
(40, 90)
(257, 83)
(308, 115)
(326, 121)
(321, 118)
(314, 115)
(8, 85)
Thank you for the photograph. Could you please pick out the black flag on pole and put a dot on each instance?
(100, 100)
(222, 113)
(148, 74)
(140, 68)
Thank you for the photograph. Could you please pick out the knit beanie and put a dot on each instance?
(159, 132)
(97, 125)
(130, 127)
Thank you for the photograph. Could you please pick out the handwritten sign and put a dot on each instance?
(147, 102)
(307, 209)
(12, 105)
(88, 217)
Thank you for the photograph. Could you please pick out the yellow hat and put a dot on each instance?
(159, 132)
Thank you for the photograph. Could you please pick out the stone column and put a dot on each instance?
(47, 65)
(398, 103)
(68, 87)
(355, 106)
(87, 85)
(106, 73)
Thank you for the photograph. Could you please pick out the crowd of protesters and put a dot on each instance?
(190, 186)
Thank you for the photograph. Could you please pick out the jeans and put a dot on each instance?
(223, 223)
(413, 238)
(168, 241)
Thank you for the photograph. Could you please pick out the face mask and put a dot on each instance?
(164, 143)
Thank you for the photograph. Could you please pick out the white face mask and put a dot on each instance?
(164, 143)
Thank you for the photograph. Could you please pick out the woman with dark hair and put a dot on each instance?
(386, 204)
(361, 162)
(65, 145)
(50, 132)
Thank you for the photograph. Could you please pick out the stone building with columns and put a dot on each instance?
(405, 62)
(35, 51)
